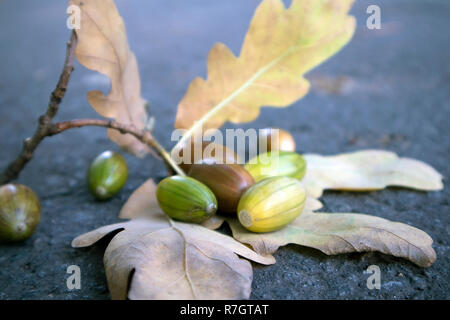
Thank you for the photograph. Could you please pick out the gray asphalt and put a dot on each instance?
(387, 89)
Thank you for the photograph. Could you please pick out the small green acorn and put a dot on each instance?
(186, 199)
(277, 163)
(20, 212)
(107, 174)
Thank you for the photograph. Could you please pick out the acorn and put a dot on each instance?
(271, 204)
(277, 163)
(227, 181)
(208, 154)
(285, 140)
(20, 212)
(107, 174)
(186, 199)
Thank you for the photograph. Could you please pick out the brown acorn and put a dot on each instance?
(227, 181)
(228, 156)
(285, 140)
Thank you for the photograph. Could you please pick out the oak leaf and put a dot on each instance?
(280, 47)
(336, 233)
(103, 47)
(154, 257)
(367, 170)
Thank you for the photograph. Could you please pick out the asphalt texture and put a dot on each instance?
(387, 89)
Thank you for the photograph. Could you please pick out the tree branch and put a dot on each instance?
(47, 128)
(142, 135)
(44, 122)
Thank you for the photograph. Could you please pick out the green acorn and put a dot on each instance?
(20, 212)
(107, 174)
(186, 199)
(271, 204)
(277, 163)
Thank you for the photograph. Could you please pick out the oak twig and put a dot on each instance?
(143, 135)
(31, 143)
(46, 127)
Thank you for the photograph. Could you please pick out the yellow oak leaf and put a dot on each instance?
(281, 45)
(103, 47)
(336, 233)
(367, 170)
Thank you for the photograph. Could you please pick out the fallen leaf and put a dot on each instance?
(266, 243)
(213, 223)
(142, 202)
(154, 257)
(366, 171)
(335, 233)
(280, 47)
(103, 47)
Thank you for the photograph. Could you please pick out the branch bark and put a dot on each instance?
(44, 122)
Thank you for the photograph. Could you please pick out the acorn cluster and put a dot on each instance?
(265, 194)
